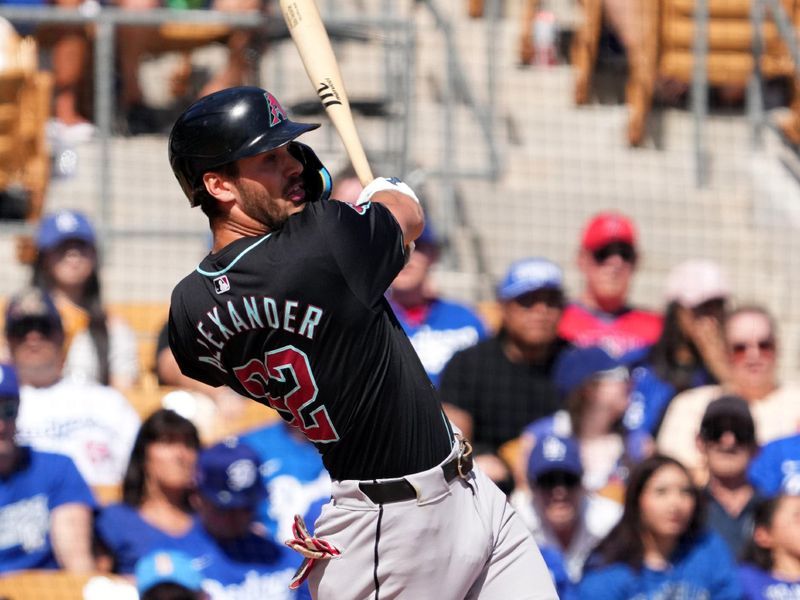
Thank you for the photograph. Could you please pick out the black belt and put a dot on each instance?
(398, 490)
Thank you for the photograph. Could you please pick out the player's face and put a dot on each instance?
(71, 263)
(532, 319)
(751, 348)
(608, 272)
(782, 537)
(667, 503)
(169, 465)
(270, 187)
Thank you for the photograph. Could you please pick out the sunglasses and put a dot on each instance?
(22, 327)
(554, 479)
(550, 297)
(9, 408)
(621, 249)
(765, 346)
(714, 433)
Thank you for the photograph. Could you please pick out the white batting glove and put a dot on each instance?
(385, 184)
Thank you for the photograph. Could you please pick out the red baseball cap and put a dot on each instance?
(606, 228)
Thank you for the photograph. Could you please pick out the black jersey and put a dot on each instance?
(297, 320)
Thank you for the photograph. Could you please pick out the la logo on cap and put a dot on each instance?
(66, 221)
(163, 564)
(241, 474)
(554, 450)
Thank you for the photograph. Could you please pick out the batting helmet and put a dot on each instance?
(224, 127)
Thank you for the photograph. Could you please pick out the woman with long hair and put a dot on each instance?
(690, 351)
(660, 548)
(771, 559)
(155, 510)
(99, 347)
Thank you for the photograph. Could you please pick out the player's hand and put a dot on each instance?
(385, 184)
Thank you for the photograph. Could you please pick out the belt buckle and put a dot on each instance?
(464, 452)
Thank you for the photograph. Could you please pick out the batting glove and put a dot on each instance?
(312, 549)
(385, 184)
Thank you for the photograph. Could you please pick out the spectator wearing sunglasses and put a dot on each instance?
(751, 350)
(45, 505)
(91, 423)
(560, 513)
(602, 316)
(491, 390)
(594, 388)
(690, 351)
(727, 442)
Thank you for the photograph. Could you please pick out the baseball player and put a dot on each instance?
(289, 310)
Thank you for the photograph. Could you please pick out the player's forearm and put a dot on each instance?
(406, 212)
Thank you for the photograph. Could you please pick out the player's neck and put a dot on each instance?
(606, 305)
(230, 231)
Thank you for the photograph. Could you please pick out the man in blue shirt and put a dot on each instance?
(240, 560)
(45, 505)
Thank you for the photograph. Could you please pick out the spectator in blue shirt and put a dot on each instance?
(45, 505)
(776, 468)
(771, 568)
(155, 510)
(238, 557)
(659, 549)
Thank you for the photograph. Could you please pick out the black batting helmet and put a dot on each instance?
(224, 127)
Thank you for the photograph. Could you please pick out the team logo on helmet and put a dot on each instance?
(276, 112)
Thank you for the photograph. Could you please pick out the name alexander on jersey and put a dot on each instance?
(249, 313)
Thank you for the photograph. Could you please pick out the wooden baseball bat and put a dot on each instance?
(312, 41)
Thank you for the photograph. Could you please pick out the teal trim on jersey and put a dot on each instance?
(234, 261)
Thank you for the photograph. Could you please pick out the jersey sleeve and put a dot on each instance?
(68, 485)
(367, 244)
(181, 334)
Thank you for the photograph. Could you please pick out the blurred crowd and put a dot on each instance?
(651, 454)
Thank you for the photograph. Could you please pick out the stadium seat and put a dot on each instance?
(24, 110)
(59, 585)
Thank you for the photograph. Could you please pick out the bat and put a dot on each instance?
(312, 41)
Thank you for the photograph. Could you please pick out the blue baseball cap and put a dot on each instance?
(554, 453)
(64, 225)
(428, 236)
(166, 566)
(577, 366)
(9, 386)
(228, 475)
(530, 275)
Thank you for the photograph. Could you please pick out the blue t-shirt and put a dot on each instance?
(448, 327)
(776, 469)
(703, 570)
(249, 568)
(650, 395)
(242, 569)
(41, 483)
(760, 585)
(292, 471)
(554, 560)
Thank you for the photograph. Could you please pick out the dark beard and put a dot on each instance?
(265, 212)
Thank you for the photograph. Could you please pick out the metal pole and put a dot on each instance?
(700, 90)
(755, 91)
(104, 110)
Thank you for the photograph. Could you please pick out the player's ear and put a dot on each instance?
(219, 186)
